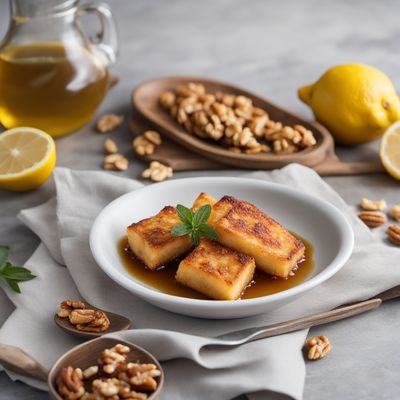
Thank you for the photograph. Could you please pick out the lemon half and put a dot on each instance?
(389, 151)
(27, 158)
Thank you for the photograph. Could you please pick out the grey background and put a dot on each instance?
(271, 47)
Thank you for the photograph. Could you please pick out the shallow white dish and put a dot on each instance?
(315, 220)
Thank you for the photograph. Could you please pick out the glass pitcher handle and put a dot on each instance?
(107, 38)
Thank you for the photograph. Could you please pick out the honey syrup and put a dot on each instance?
(50, 86)
(262, 284)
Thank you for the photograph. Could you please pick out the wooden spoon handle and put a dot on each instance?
(249, 335)
(16, 360)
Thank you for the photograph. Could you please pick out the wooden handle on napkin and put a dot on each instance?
(16, 360)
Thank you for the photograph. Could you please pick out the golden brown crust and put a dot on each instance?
(208, 256)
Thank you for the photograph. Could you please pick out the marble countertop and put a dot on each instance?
(271, 47)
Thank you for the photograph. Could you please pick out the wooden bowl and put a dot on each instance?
(86, 355)
(145, 100)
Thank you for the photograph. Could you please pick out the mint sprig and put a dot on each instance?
(194, 224)
(12, 274)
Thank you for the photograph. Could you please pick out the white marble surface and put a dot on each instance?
(271, 47)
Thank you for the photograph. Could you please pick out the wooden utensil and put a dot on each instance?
(86, 355)
(145, 101)
(117, 323)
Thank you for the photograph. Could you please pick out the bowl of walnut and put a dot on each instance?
(106, 368)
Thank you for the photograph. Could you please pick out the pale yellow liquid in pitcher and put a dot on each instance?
(50, 86)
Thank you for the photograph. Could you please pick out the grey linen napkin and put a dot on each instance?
(193, 371)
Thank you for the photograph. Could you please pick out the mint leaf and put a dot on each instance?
(12, 274)
(180, 230)
(185, 214)
(201, 215)
(13, 285)
(16, 273)
(207, 231)
(195, 237)
(3, 255)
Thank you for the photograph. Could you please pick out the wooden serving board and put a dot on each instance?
(187, 152)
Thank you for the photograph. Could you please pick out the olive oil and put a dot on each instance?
(163, 279)
(50, 86)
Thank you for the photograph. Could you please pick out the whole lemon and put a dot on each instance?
(355, 102)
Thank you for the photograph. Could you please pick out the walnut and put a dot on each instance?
(89, 320)
(69, 384)
(110, 147)
(283, 146)
(318, 347)
(153, 137)
(307, 137)
(106, 387)
(245, 138)
(372, 205)
(115, 162)
(157, 172)
(142, 146)
(257, 124)
(288, 133)
(68, 305)
(112, 358)
(395, 212)
(140, 376)
(167, 100)
(393, 232)
(90, 371)
(109, 122)
(271, 127)
(262, 148)
(372, 219)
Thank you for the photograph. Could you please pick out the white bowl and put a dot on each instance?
(315, 220)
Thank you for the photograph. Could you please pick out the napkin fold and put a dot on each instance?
(66, 269)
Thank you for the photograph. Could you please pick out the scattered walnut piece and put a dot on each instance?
(110, 147)
(84, 318)
(157, 172)
(153, 137)
(69, 384)
(395, 212)
(115, 162)
(109, 122)
(223, 116)
(393, 232)
(90, 371)
(373, 219)
(372, 205)
(318, 347)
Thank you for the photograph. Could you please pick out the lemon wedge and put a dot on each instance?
(27, 158)
(389, 151)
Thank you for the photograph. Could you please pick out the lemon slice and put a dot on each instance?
(27, 158)
(389, 151)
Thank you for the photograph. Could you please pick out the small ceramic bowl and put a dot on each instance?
(86, 355)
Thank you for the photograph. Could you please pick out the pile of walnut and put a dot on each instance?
(113, 378)
(373, 216)
(233, 121)
(82, 317)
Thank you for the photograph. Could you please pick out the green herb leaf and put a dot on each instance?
(195, 237)
(201, 215)
(17, 273)
(207, 231)
(180, 230)
(13, 285)
(12, 274)
(185, 214)
(3, 255)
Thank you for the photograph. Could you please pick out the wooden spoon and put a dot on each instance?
(145, 101)
(86, 355)
(117, 323)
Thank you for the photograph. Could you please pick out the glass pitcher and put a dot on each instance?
(52, 77)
